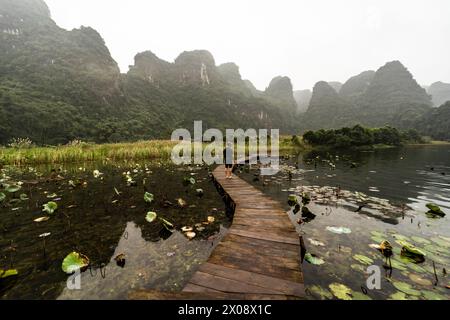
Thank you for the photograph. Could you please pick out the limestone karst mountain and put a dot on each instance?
(336, 85)
(58, 85)
(326, 109)
(439, 92)
(280, 89)
(389, 96)
(303, 98)
(356, 86)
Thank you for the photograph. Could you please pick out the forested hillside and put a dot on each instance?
(58, 85)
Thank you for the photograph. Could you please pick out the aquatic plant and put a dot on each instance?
(151, 216)
(149, 197)
(313, 259)
(74, 261)
(8, 273)
(50, 207)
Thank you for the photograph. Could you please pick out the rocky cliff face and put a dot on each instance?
(280, 90)
(336, 85)
(149, 67)
(196, 67)
(357, 86)
(37, 52)
(440, 93)
(393, 85)
(327, 109)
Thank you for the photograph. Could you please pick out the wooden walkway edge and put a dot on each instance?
(259, 257)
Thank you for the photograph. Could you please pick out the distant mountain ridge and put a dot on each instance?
(389, 96)
(58, 85)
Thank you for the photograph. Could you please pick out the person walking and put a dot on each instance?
(228, 160)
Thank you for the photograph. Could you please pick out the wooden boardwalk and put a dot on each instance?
(259, 257)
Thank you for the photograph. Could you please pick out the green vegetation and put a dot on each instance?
(78, 151)
(359, 136)
(58, 85)
(87, 152)
(436, 123)
(389, 96)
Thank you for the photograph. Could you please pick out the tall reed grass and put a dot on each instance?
(141, 150)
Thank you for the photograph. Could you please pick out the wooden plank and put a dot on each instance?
(247, 264)
(288, 287)
(258, 258)
(262, 244)
(228, 285)
(263, 236)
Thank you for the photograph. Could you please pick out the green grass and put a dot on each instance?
(142, 150)
(87, 152)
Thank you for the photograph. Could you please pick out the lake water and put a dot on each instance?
(103, 216)
(393, 185)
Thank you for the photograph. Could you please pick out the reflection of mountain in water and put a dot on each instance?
(162, 265)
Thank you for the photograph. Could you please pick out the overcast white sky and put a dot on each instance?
(306, 40)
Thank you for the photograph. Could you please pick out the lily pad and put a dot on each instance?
(74, 261)
(358, 267)
(400, 237)
(13, 188)
(341, 291)
(312, 259)
(151, 216)
(8, 273)
(23, 197)
(149, 197)
(360, 296)
(50, 207)
(316, 242)
(363, 259)
(420, 280)
(406, 288)
(292, 200)
(398, 296)
(320, 292)
(396, 264)
(412, 252)
(435, 209)
(432, 295)
(416, 268)
(420, 240)
(339, 230)
(378, 234)
(441, 242)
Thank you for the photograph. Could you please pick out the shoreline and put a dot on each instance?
(141, 150)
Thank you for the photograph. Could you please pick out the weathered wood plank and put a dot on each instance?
(288, 287)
